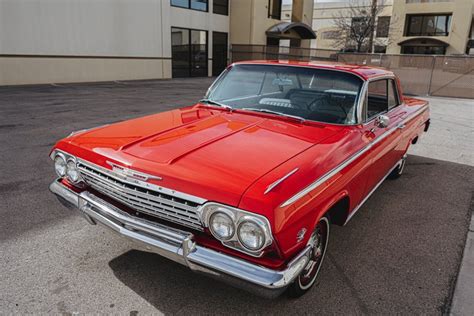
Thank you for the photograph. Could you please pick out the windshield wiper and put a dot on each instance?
(209, 101)
(299, 118)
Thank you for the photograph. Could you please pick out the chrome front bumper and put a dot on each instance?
(179, 246)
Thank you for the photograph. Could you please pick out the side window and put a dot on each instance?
(392, 95)
(377, 98)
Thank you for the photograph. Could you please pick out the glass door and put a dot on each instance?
(188, 53)
(219, 52)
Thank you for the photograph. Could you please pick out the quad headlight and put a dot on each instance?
(221, 225)
(251, 235)
(237, 229)
(72, 174)
(60, 165)
(66, 167)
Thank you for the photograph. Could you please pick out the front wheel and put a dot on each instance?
(318, 241)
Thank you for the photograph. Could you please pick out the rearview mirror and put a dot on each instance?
(382, 121)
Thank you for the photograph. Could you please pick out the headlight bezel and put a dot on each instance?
(67, 158)
(59, 155)
(226, 214)
(68, 177)
(248, 220)
(238, 216)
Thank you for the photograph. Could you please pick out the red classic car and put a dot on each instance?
(243, 185)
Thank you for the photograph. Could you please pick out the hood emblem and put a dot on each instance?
(131, 175)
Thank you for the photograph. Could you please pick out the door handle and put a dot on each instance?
(401, 126)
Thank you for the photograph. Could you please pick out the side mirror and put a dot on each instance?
(382, 121)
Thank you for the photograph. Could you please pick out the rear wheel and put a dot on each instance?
(398, 171)
(318, 240)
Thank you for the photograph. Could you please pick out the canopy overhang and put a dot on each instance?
(423, 41)
(291, 30)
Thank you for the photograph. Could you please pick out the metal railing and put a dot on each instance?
(449, 76)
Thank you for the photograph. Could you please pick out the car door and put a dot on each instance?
(382, 129)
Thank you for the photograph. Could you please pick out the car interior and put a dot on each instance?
(313, 94)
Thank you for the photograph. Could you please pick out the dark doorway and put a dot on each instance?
(219, 52)
(189, 53)
(273, 41)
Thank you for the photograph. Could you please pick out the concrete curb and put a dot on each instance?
(463, 298)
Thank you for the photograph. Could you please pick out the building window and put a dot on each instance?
(200, 5)
(274, 9)
(380, 49)
(424, 50)
(330, 35)
(188, 52)
(221, 7)
(428, 25)
(359, 24)
(383, 26)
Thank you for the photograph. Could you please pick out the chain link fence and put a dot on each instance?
(264, 52)
(449, 76)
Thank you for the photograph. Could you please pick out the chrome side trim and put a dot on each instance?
(371, 192)
(180, 247)
(348, 161)
(277, 182)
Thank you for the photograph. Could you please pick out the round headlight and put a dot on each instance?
(251, 235)
(60, 165)
(72, 173)
(221, 226)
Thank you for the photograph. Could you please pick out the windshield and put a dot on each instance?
(314, 94)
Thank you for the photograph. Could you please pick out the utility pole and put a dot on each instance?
(373, 17)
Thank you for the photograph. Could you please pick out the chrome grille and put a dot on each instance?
(145, 200)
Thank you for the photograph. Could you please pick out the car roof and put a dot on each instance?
(365, 72)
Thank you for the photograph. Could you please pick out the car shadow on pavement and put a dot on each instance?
(401, 253)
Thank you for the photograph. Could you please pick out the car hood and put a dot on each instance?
(209, 153)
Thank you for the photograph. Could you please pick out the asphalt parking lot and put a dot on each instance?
(400, 253)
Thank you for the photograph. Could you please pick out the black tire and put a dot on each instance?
(398, 171)
(307, 278)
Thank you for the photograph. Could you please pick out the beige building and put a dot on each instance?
(433, 27)
(259, 22)
(327, 32)
(55, 41)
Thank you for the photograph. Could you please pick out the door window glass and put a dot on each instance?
(377, 98)
(392, 94)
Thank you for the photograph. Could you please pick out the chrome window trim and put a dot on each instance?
(366, 120)
(348, 161)
(216, 83)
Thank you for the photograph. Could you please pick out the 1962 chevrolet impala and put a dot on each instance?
(243, 185)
